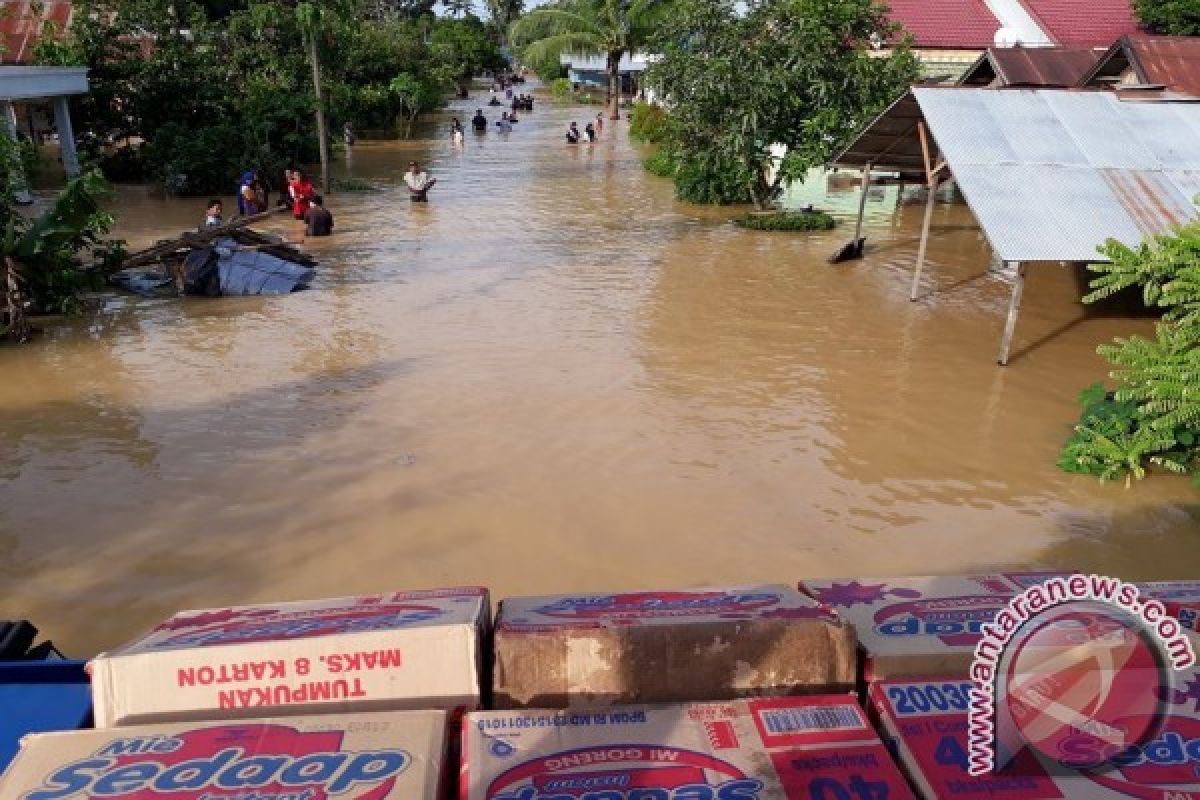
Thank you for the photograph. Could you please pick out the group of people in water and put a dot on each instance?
(298, 195)
(591, 130)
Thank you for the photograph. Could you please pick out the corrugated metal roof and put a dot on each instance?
(1031, 67)
(1171, 61)
(22, 23)
(1051, 174)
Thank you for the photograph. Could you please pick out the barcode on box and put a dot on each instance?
(802, 720)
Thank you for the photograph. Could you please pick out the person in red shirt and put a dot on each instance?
(302, 195)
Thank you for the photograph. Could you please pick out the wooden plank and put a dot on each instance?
(191, 239)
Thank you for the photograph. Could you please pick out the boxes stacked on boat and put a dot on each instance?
(382, 652)
(796, 748)
(918, 626)
(926, 724)
(650, 647)
(381, 756)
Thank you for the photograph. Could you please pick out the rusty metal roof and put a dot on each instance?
(23, 22)
(1049, 174)
(1170, 61)
(1031, 67)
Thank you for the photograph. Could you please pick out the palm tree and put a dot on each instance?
(504, 13)
(610, 28)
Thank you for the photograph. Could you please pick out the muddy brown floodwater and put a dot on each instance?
(553, 377)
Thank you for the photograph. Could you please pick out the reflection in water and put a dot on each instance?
(554, 377)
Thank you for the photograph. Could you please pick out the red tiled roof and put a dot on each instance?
(1083, 23)
(966, 24)
(21, 25)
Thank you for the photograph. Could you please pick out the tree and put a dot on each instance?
(1174, 17)
(611, 28)
(315, 18)
(504, 13)
(1153, 415)
(800, 73)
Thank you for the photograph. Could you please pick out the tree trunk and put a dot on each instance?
(322, 138)
(614, 84)
(14, 302)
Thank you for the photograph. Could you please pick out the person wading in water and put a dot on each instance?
(418, 182)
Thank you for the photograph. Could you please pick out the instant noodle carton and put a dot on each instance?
(650, 647)
(1182, 599)
(376, 756)
(771, 748)
(925, 723)
(918, 626)
(376, 653)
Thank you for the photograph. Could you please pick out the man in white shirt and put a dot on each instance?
(418, 182)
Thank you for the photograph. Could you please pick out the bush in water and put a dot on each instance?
(788, 221)
(1152, 418)
(560, 90)
(648, 122)
(660, 164)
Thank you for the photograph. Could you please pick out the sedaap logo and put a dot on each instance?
(342, 620)
(649, 604)
(625, 772)
(267, 762)
(956, 621)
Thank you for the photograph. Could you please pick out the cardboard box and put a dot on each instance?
(925, 723)
(1182, 599)
(798, 748)
(918, 626)
(378, 653)
(652, 647)
(384, 756)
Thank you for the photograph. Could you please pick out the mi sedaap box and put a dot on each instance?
(925, 723)
(678, 646)
(381, 756)
(385, 652)
(1182, 600)
(770, 748)
(919, 626)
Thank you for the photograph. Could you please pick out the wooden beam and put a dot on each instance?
(1014, 306)
(930, 199)
(925, 152)
(862, 202)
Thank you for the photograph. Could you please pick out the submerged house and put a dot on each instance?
(593, 70)
(950, 36)
(1049, 174)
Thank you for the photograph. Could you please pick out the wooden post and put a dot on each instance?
(929, 201)
(862, 205)
(1014, 306)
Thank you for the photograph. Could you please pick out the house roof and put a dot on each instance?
(1094, 23)
(1046, 67)
(951, 24)
(22, 23)
(1171, 61)
(1050, 174)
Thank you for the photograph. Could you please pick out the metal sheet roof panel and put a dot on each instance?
(1051, 174)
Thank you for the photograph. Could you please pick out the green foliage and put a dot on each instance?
(1153, 415)
(1175, 17)
(660, 163)
(801, 73)
(710, 181)
(648, 122)
(47, 253)
(560, 90)
(788, 221)
(610, 28)
(226, 90)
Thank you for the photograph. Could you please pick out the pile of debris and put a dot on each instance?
(223, 260)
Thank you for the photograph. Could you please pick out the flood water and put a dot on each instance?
(554, 377)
